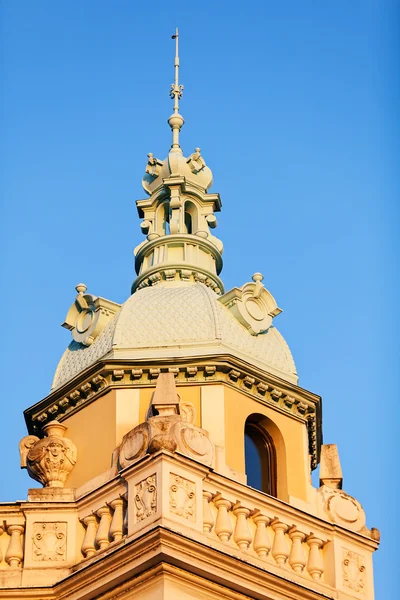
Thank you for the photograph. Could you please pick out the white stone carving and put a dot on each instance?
(195, 161)
(88, 315)
(182, 494)
(49, 542)
(353, 567)
(146, 497)
(48, 460)
(252, 305)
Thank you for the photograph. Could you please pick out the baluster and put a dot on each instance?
(117, 523)
(297, 559)
(262, 543)
(14, 552)
(102, 535)
(223, 525)
(315, 564)
(280, 550)
(242, 535)
(1, 533)
(126, 513)
(208, 519)
(88, 547)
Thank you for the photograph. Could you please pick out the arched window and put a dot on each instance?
(188, 223)
(191, 217)
(162, 219)
(260, 458)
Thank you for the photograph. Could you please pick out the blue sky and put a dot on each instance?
(295, 107)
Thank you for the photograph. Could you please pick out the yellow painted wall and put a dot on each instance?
(97, 429)
(187, 394)
(287, 433)
(93, 431)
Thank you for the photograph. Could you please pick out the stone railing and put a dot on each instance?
(104, 526)
(258, 529)
(12, 528)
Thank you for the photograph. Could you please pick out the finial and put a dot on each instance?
(81, 288)
(257, 277)
(176, 120)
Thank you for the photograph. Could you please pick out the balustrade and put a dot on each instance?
(104, 526)
(267, 537)
(15, 551)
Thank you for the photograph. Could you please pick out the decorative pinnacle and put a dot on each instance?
(81, 288)
(176, 120)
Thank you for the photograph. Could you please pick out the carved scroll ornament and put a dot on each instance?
(48, 460)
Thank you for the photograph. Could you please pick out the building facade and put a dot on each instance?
(175, 448)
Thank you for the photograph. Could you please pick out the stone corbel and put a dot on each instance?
(48, 460)
(252, 305)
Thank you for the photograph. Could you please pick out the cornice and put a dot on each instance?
(268, 389)
(121, 569)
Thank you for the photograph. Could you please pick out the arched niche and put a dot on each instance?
(162, 218)
(191, 217)
(265, 456)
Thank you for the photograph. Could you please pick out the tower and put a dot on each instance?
(175, 446)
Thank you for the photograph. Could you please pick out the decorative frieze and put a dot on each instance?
(49, 542)
(353, 570)
(146, 498)
(182, 493)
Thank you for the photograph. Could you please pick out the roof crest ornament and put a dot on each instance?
(176, 120)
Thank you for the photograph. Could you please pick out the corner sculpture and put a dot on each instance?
(333, 502)
(51, 459)
(252, 305)
(169, 426)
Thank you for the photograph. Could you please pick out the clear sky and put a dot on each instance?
(295, 107)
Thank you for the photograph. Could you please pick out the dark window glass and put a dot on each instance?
(260, 459)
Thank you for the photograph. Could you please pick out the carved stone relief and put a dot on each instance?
(341, 508)
(49, 542)
(194, 442)
(88, 316)
(169, 426)
(182, 497)
(134, 445)
(48, 460)
(353, 571)
(252, 305)
(146, 497)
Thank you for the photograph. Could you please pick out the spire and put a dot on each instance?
(178, 218)
(176, 120)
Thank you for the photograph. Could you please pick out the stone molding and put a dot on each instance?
(244, 532)
(265, 388)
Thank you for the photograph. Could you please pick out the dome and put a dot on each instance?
(173, 320)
